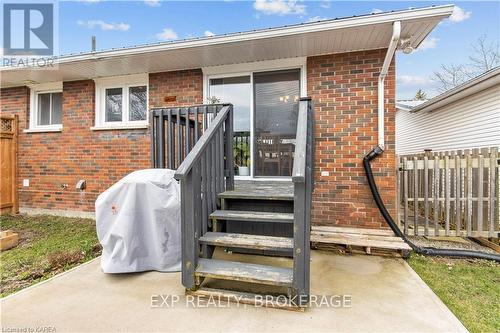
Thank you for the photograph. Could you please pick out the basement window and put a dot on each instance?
(122, 102)
(46, 107)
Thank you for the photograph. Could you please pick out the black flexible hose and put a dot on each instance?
(428, 251)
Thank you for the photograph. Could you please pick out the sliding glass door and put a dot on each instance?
(238, 91)
(265, 119)
(276, 104)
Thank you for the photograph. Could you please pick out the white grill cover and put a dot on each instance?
(139, 223)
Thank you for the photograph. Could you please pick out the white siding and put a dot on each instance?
(472, 122)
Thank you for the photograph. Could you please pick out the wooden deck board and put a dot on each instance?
(270, 190)
(245, 272)
(247, 241)
(351, 230)
(241, 215)
(360, 237)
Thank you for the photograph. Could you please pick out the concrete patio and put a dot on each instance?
(387, 296)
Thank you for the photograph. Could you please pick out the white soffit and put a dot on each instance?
(325, 37)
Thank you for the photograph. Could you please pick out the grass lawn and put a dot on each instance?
(48, 245)
(470, 288)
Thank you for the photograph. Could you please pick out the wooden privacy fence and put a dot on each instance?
(453, 193)
(8, 162)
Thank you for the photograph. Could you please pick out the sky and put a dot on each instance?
(125, 23)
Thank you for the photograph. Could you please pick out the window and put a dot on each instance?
(49, 109)
(46, 107)
(122, 102)
(138, 100)
(114, 107)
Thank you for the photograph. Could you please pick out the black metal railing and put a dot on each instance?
(206, 171)
(241, 147)
(302, 176)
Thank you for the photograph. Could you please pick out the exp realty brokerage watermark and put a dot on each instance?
(30, 33)
(218, 301)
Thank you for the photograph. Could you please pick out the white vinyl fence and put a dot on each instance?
(453, 193)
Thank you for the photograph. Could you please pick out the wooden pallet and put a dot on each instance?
(367, 239)
(8, 240)
(488, 243)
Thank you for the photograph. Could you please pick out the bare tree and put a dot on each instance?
(450, 76)
(485, 56)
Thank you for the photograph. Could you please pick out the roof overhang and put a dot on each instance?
(408, 105)
(366, 32)
(477, 84)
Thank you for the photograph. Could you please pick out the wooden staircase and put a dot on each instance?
(245, 217)
(248, 221)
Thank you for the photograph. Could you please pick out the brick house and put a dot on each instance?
(87, 119)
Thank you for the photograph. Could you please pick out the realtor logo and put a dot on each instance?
(28, 29)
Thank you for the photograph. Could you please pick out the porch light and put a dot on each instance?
(405, 45)
(408, 49)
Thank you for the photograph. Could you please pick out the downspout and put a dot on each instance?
(396, 34)
(377, 151)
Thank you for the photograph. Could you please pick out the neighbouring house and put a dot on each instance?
(407, 105)
(88, 118)
(465, 117)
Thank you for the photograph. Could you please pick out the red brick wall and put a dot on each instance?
(343, 88)
(186, 86)
(15, 101)
(100, 157)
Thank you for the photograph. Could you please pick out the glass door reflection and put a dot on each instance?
(237, 91)
(276, 105)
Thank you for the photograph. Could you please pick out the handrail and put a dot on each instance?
(201, 144)
(206, 171)
(211, 108)
(299, 160)
(302, 176)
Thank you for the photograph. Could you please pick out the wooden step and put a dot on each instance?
(241, 215)
(247, 241)
(268, 301)
(245, 272)
(259, 190)
(254, 195)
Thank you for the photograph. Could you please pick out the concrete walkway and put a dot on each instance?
(386, 296)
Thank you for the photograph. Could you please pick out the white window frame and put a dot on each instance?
(35, 90)
(245, 69)
(124, 82)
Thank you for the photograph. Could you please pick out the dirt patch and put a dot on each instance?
(97, 250)
(60, 259)
(26, 236)
(464, 244)
(48, 246)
